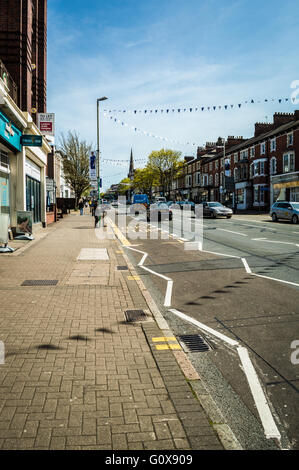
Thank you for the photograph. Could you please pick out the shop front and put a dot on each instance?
(285, 187)
(243, 195)
(9, 146)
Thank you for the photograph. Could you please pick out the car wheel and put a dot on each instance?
(274, 217)
(295, 219)
(213, 215)
(228, 216)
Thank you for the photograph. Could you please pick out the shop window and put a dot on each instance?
(240, 196)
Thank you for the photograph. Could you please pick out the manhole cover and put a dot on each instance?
(194, 343)
(40, 282)
(135, 315)
(122, 268)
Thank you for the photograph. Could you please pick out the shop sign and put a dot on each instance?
(9, 132)
(45, 123)
(32, 140)
(49, 184)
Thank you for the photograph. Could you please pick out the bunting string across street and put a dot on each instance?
(195, 109)
(148, 134)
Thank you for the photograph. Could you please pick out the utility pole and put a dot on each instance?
(98, 144)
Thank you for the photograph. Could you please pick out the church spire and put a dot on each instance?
(131, 169)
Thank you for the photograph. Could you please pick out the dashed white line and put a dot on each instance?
(230, 231)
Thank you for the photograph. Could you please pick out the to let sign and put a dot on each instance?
(45, 123)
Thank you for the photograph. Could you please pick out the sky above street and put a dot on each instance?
(168, 54)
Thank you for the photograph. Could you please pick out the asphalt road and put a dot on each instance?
(248, 291)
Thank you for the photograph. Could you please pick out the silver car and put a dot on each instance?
(215, 209)
(286, 211)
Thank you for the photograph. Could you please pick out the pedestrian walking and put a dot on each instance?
(81, 206)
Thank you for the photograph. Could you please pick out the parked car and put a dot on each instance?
(190, 205)
(158, 212)
(285, 210)
(214, 209)
(160, 199)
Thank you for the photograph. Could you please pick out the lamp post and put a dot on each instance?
(98, 144)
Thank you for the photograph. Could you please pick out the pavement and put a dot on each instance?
(79, 375)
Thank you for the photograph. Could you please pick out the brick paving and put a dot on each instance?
(77, 375)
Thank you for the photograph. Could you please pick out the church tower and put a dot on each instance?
(131, 169)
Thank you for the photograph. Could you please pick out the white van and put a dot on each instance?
(160, 199)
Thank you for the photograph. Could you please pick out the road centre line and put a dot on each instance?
(270, 428)
(230, 231)
(273, 241)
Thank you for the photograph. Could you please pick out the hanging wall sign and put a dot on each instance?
(45, 123)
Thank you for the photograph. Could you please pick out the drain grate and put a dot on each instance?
(135, 315)
(194, 343)
(40, 282)
(122, 268)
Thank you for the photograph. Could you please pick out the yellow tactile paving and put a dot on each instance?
(163, 338)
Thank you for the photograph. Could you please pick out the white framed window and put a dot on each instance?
(273, 166)
(211, 180)
(252, 152)
(256, 168)
(197, 178)
(288, 162)
(290, 139)
(188, 181)
(216, 164)
(217, 179)
(273, 145)
(263, 148)
(210, 166)
(236, 174)
(236, 157)
(252, 170)
(243, 154)
(262, 168)
(205, 179)
(4, 162)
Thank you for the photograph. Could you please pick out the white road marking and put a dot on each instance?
(273, 241)
(270, 428)
(274, 279)
(167, 299)
(247, 268)
(204, 327)
(230, 231)
(221, 254)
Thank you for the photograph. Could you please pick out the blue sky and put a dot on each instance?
(163, 54)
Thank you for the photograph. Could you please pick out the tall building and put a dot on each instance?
(23, 49)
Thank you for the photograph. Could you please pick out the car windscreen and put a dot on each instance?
(295, 205)
(215, 204)
(162, 205)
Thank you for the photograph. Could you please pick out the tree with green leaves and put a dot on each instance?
(166, 164)
(75, 159)
(124, 186)
(145, 179)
